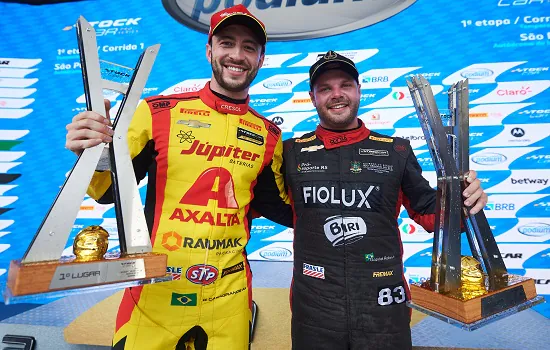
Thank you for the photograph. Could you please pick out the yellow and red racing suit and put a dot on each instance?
(204, 155)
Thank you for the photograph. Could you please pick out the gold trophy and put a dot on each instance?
(42, 269)
(466, 291)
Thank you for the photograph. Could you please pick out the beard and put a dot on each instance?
(230, 84)
(338, 121)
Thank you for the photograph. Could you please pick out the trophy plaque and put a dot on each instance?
(466, 291)
(42, 268)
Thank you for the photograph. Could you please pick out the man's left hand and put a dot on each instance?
(474, 194)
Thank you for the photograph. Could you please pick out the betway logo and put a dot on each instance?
(330, 195)
(211, 152)
(279, 15)
(527, 181)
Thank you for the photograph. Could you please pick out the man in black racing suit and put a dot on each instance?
(347, 185)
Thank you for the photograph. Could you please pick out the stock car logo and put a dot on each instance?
(279, 16)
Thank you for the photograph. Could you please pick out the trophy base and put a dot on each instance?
(48, 276)
(472, 314)
(539, 299)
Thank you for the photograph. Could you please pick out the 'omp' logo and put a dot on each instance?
(277, 84)
(275, 253)
(535, 229)
(489, 158)
(280, 16)
(477, 73)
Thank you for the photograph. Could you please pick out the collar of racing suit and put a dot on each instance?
(221, 105)
(338, 138)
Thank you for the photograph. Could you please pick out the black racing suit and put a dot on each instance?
(349, 290)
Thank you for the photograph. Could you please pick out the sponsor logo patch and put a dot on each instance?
(161, 104)
(193, 123)
(233, 292)
(250, 124)
(202, 274)
(308, 139)
(249, 136)
(381, 139)
(382, 273)
(314, 148)
(186, 136)
(369, 257)
(175, 272)
(314, 271)
(373, 152)
(342, 230)
(355, 167)
(200, 112)
(232, 269)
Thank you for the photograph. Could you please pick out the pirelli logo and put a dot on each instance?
(381, 139)
(308, 139)
(250, 124)
(301, 100)
(195, 112)
(479, 115)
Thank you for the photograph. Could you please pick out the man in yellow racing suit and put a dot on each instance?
(204, 153)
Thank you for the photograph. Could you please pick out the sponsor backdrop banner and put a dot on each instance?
(500, 45)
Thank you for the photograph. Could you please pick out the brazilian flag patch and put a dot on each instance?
(184, 299)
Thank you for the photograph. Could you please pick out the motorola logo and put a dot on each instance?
(517, 132)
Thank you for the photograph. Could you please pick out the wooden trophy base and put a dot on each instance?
(519, 290)
(47, 276)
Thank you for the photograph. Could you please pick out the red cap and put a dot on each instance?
(237, 14)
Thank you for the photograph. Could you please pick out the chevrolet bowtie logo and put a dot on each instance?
(194, 123)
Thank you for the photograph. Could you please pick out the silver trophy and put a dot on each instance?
(43, 269)
(467, 291)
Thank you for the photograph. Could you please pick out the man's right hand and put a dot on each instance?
(89, 129)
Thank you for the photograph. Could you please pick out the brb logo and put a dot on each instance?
(342, 230)
(279, 15)
(202, 274)
(201, 192)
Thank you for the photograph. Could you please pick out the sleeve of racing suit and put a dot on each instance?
(270, 197)
(419, 198)
(141, 149)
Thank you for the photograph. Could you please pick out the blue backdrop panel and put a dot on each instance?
(500, 45)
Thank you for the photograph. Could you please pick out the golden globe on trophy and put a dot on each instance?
(466, 291)
(43, 269)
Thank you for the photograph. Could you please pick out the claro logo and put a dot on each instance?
(279, 15)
